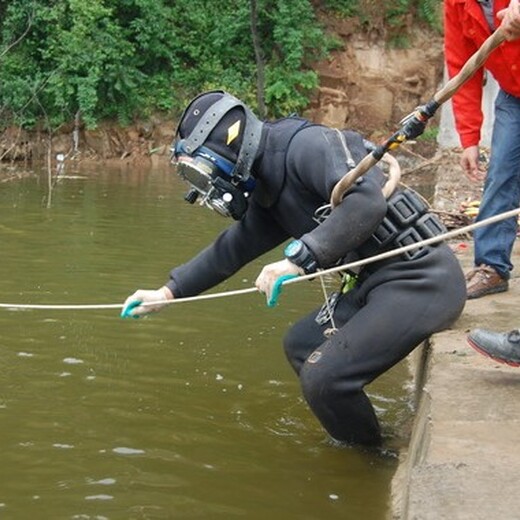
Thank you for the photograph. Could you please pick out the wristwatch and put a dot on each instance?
(299, 254)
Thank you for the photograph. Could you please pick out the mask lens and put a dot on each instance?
(216, 193)
(195, 172)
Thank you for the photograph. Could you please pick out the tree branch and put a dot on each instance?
(17, 41)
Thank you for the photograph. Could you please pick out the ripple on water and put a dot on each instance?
(128, 451)
(73, 361)
(103, 482)
(99, 497)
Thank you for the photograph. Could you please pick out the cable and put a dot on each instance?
(120, 305)
(324, 272)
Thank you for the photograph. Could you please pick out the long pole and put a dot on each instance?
(414, 124)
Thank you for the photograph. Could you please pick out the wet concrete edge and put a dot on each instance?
(463, 460)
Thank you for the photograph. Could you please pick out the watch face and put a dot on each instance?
(293, 248)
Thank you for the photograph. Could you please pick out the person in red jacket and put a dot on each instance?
(468, 23)
(503, 347)
(511, 20)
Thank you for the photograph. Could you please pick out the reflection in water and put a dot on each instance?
(192, 413)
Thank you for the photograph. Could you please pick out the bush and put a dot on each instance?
(122, 59)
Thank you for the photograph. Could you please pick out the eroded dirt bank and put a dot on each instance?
(364, 85)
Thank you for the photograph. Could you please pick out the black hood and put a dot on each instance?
(222, 123)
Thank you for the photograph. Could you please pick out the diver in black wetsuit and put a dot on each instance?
(272, 177)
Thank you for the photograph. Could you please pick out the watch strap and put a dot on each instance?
(299, 254)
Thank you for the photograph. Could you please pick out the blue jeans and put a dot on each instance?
(494, 243)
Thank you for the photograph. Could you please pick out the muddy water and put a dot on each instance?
(191, 413)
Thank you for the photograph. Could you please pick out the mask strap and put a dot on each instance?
(226, 166)
(250, 139)
(250, 144)
(208, 122)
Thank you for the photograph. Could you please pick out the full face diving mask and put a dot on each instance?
(211, 180)
(219, 183)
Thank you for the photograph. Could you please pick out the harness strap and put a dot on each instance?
(206, 124)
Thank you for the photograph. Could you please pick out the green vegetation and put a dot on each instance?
(430, 134)
(66, 60)
(393, 18)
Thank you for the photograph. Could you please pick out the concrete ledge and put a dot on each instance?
(463, 460)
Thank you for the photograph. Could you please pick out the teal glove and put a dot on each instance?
(154, 301)
(277, 289)
(273, 275)
(128, 308)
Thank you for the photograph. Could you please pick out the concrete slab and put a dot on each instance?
(463, 461)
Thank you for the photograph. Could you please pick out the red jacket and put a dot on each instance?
(465, 29)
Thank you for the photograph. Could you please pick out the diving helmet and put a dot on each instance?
(215, 145)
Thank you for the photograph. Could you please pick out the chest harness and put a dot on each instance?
(407, 221)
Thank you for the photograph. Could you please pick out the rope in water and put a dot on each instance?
(57, 307)
(324, 272)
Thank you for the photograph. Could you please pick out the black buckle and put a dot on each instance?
(430, 225)
(385, 233)
(406, 207)
(408, 237)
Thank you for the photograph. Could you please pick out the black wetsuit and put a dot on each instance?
(396, 303)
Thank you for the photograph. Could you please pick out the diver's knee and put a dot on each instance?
(293, 350)
(322, 385)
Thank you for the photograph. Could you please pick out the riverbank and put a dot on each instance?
(463, 461)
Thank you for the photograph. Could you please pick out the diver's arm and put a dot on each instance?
(242, 242)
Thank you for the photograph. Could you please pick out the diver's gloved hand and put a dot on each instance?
(272, 272)
(157, 299)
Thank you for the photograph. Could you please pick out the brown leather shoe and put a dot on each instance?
(484, 280)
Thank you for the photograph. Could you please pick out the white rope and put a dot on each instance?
(120, 305)
(324, 272)
(426, 242)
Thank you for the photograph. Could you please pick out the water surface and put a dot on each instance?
(191, 413)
